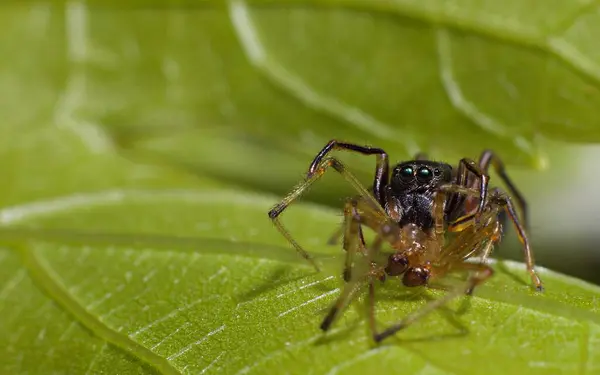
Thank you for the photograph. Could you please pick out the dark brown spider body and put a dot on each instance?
(410, 194)
(433, 218)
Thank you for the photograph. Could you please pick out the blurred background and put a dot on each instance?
(240, 95)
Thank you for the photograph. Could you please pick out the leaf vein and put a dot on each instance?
(47, 280)
(195, 343)
(308, 302)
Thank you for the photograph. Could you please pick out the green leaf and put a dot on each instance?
(207, 284)
(139, 144)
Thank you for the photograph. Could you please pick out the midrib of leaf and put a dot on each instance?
(48, 281)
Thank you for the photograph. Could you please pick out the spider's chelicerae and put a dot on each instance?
(434, 218)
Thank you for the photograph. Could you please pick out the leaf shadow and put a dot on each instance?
(276, 278)
(501, 267)
(405, 295)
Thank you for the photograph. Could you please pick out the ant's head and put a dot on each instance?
(420, 176)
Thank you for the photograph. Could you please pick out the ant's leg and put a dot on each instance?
(480, 273)
(303, 187)
(504, 201)
(488, 158)
(381, 169)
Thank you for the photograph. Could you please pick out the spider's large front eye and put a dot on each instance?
(406, 172)
(425, 173)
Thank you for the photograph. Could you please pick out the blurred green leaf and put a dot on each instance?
(450, 78)
(126, 127)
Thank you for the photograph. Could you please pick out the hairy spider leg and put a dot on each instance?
(303, 187)
(381, 176)
(362, 212)
(479, 273)
(460, 223)
(501, 199)
(471, 166)
(453, 256)
(488, 158)
(351, 236)
(380, 180)
(382, 166)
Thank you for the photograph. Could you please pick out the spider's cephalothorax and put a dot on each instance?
(410, 194)
(411, 210)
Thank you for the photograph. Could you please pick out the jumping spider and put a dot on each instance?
(432, 216)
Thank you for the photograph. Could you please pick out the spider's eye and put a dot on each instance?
(425, 173)
(406, 172)
(437, 172)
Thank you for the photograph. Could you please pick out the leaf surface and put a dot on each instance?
(206, 284)
(139, 144)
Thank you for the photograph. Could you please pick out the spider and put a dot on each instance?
(432, 216)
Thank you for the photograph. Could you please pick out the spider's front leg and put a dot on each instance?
(382, 166)
(301, 188)
(467, 165)
(489, 158)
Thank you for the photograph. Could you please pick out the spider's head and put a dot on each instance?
(420, 176)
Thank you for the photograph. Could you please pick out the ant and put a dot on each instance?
(434, 217)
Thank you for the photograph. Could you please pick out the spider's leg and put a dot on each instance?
(479, 274)
(495, 237)
(336, 235)
(381, 169)
(438, 215)
(362, 212)
(474, 168)
(457, 224)
(504, 201)
(351, 287)
(353, 238)
(340, 231)
(301, 188)
(488, 158)
(348, 292)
